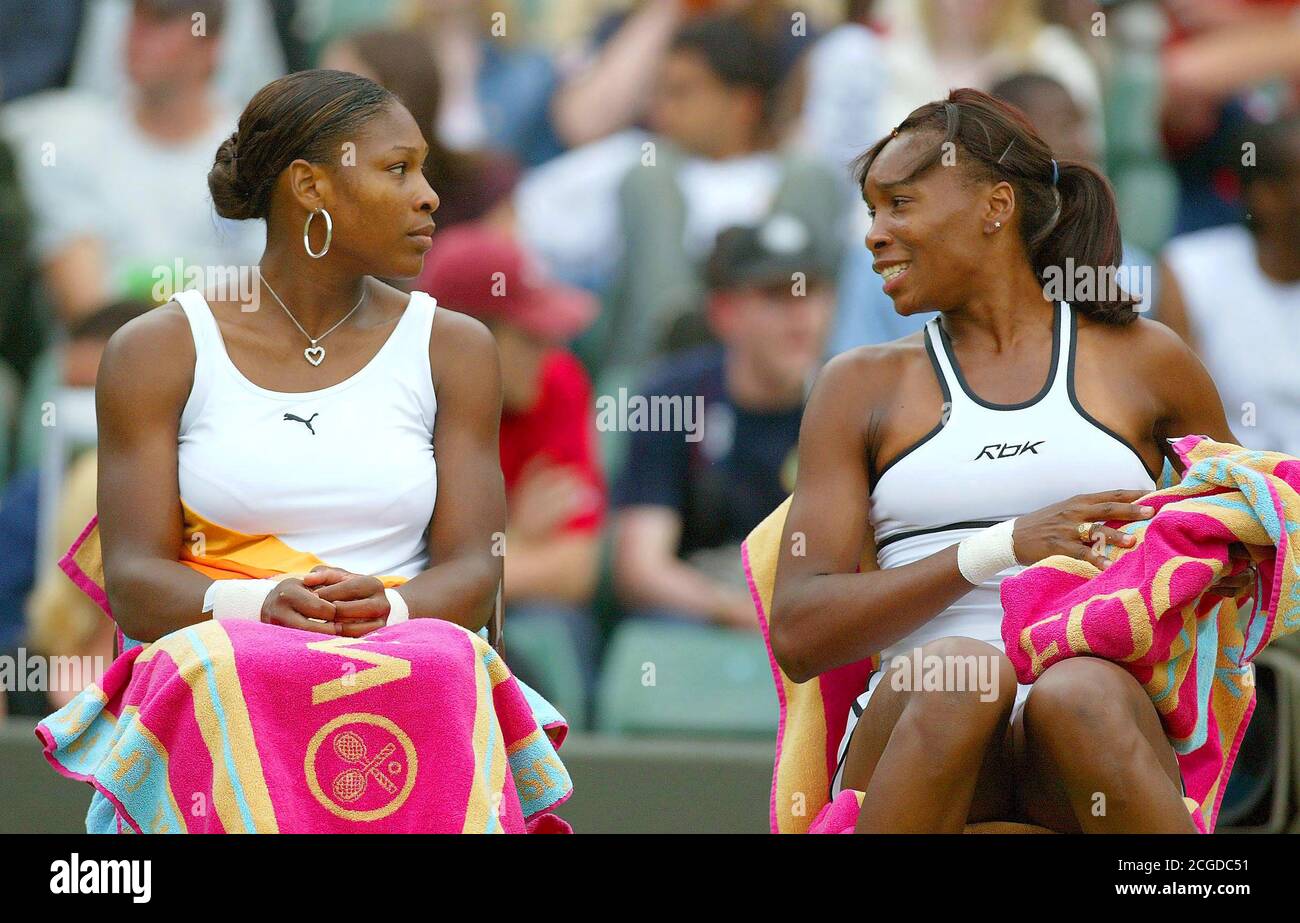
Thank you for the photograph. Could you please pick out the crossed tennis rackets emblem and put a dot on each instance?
(379, 766)
(351, 784)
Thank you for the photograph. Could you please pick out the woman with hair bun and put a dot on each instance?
(313, 417)
(300, 426)
(1002, 433)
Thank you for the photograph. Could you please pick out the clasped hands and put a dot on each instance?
(330, 601)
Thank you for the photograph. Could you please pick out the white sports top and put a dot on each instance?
(1246, 326)
(354, 485)
(988, 463)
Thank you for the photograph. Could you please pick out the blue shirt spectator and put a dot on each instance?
(725, 483)
(17, 553)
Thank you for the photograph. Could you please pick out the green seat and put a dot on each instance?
(697, 680)
(546, 647)
(41, 388)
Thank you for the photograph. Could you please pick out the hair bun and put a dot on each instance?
(229, 195)
(300, 116)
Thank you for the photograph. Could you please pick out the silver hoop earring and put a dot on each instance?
(329, 233)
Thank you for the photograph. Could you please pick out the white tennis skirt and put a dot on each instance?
(860, 705)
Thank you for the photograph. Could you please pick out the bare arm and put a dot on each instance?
(611, 93)
(144, 380)
(1222, 61)
(563, 567)
(1186, 391)
(1193, 406)
(649, 573)
(824, 614)
(470, 513)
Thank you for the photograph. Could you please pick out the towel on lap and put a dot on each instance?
(249, 727)
(1153, 613)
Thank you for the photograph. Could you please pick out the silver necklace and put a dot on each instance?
(313, 353)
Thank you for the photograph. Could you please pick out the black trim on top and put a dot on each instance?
(839, 767)
(1074, 400)
(1047, 385)
(968, 524)
(947, 399)
(857, 711)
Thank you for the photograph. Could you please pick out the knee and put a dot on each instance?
(960, 689)
(1083, 698)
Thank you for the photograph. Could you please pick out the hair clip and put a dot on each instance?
(1056, 172)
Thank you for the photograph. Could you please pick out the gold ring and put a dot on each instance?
(1085, 531)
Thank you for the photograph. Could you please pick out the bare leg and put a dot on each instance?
(930, 761)
(1091, 754)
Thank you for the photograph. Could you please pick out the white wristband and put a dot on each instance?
(987, 553)
(237, 599)
(399, 611)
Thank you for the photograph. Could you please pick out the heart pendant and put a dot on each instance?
(315, 354)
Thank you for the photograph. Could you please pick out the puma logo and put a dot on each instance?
(306, 423)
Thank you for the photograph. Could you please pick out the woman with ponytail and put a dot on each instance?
(1035, 405)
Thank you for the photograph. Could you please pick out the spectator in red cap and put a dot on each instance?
(555, 491)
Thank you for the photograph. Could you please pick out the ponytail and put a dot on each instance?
(1085, 235)
(1068, 219)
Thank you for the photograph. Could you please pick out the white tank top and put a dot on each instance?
(988, 463)
(1245, 326)
(346, 473)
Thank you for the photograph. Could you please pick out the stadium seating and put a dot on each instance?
(1266, 775)
(669, 678)
(41, 387)
(548, 649)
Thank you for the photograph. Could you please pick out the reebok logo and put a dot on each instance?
(1008, 450)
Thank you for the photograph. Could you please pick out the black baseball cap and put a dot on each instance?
(769, 253)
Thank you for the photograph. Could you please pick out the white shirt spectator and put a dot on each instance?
(568, 209)
(89, 171)
(1245, 326)
(720, 194)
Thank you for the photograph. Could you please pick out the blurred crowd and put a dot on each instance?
(667, 179)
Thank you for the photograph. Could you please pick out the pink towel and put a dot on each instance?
(1151, 611)
(243, 726)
